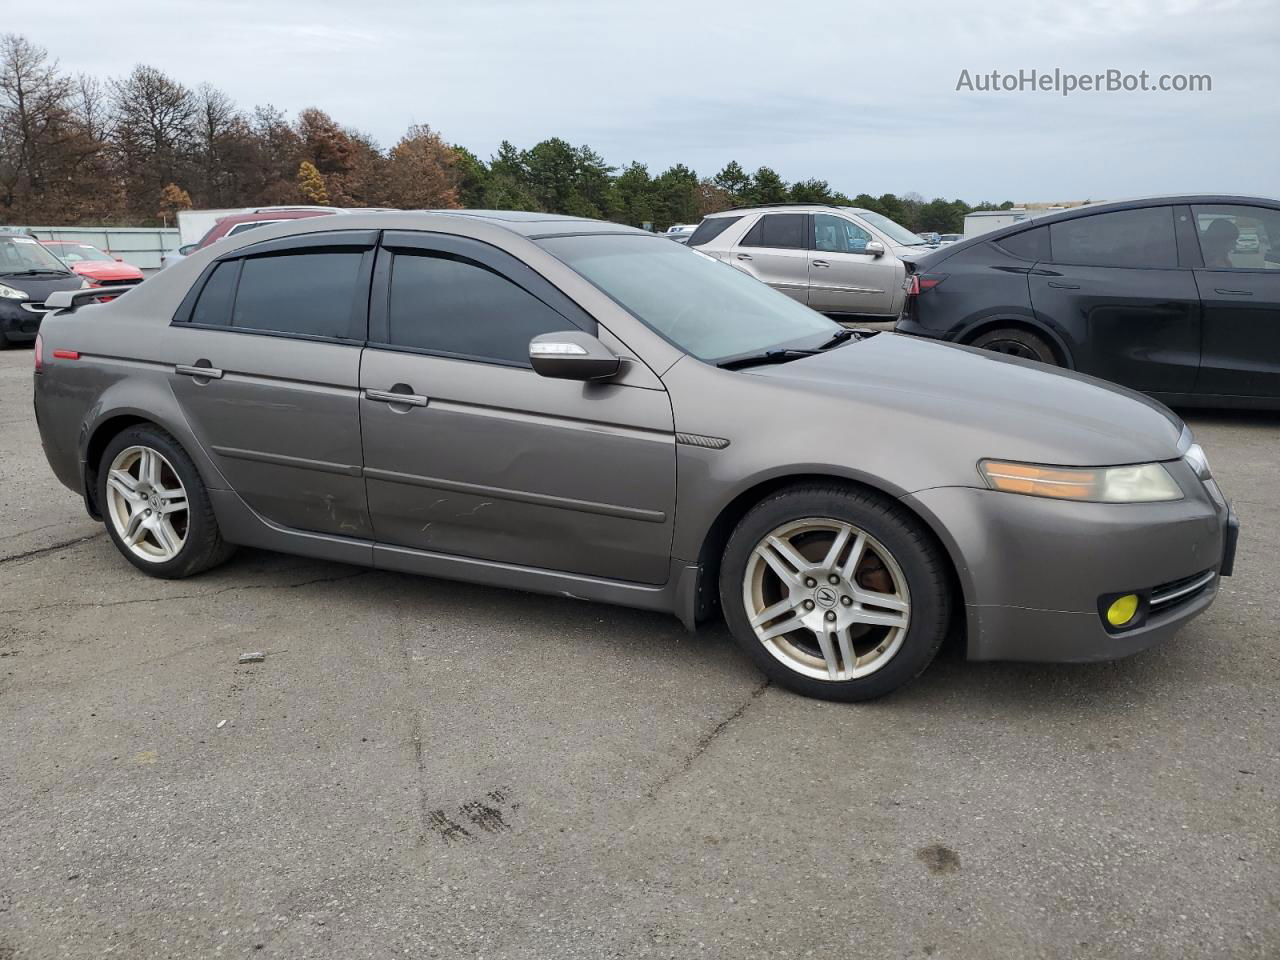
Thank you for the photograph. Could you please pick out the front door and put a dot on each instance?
(843, 277)
(1240, 293)
(468, 452)
(774, 250)
(266, 367)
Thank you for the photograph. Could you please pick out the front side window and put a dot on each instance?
(450, 305)
(837, 235)
(892, 229)
(313, 294)
(1234, 237)
(705, 307)
(783, 231)
(1125, 238)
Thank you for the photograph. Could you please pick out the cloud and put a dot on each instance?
(860, 95)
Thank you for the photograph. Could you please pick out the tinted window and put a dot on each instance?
(838, 235)
(1238, 237)
(708, 230)
(1027, 245)
(214, 305)
(1126, 238)
(307, 293)
(449, 305)
(782, 230)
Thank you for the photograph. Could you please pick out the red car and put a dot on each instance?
(100, 269)
(237, 223)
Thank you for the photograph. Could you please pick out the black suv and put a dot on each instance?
(1175, 296)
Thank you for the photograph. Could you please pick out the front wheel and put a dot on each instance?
(835, 593)
(155, 505)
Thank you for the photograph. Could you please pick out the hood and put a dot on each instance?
(40, 286)
(101, 270)
(995, 405)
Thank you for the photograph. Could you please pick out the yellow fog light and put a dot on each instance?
(1122, 610)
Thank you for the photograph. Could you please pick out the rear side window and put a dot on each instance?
(1026, 245)
(214, 305)
(1125, 238)
(779, 230)
(251, 225)
(455, 306)
(313, 294)
(711, 228)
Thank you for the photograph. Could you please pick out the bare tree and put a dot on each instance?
(154, 123)
(33, 122)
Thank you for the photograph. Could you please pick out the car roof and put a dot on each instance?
(1088, 210)
(785, 208)
(234, 218)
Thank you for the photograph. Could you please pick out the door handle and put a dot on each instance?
(1233, 293)
(1064, 286)
(820, 263)
(200, 370)
(390, 396)
(744, 256)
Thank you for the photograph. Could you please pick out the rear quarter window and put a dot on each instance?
(711, 228)
(1027, 244)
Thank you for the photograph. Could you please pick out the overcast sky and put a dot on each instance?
(860, 94)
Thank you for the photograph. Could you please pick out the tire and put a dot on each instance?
(1018, 343)
(168, 540)
(898, 579)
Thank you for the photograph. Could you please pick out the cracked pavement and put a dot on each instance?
(427, 769)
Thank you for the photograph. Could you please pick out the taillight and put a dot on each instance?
(920, 282)
(39, 353)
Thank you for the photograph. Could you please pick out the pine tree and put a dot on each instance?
(311, 184)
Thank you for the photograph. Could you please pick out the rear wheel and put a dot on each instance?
(1017, 343)
(155, 505)
(835, 593)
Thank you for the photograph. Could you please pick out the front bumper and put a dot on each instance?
(17, 323)
(1033, 570)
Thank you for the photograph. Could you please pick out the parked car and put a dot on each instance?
(948, 238)
(28, 274)
(100, 269)
(932, 239)
(577, 408)
(1154, 294)
(235, 224)
(845, 262)
(169, 257)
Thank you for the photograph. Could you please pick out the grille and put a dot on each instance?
(1175, 593)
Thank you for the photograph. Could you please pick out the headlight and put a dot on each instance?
(85, 284)
(11, 294)
(1140, 483)
(1198, 461)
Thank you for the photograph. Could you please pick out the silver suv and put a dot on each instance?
(841, 261)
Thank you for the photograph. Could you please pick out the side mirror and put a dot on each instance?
(186, 249)
(572, 355)
(874, 248)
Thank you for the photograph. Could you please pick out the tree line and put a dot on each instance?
(136, 149)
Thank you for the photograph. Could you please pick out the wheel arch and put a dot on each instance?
(1017, 322)
(721, 528)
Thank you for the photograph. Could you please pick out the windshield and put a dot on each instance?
(77, 252)
(704, 307)
(20, 254)
(894, 231)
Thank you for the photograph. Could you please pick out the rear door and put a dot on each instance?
(1239, 286)
(775, 251)
(485, 458)
(266, 366)
(1113, 281)
(843, 277)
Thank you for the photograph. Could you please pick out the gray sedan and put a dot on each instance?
(583, 409)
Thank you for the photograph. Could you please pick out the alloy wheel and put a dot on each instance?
(826, 599)
(147, 504)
